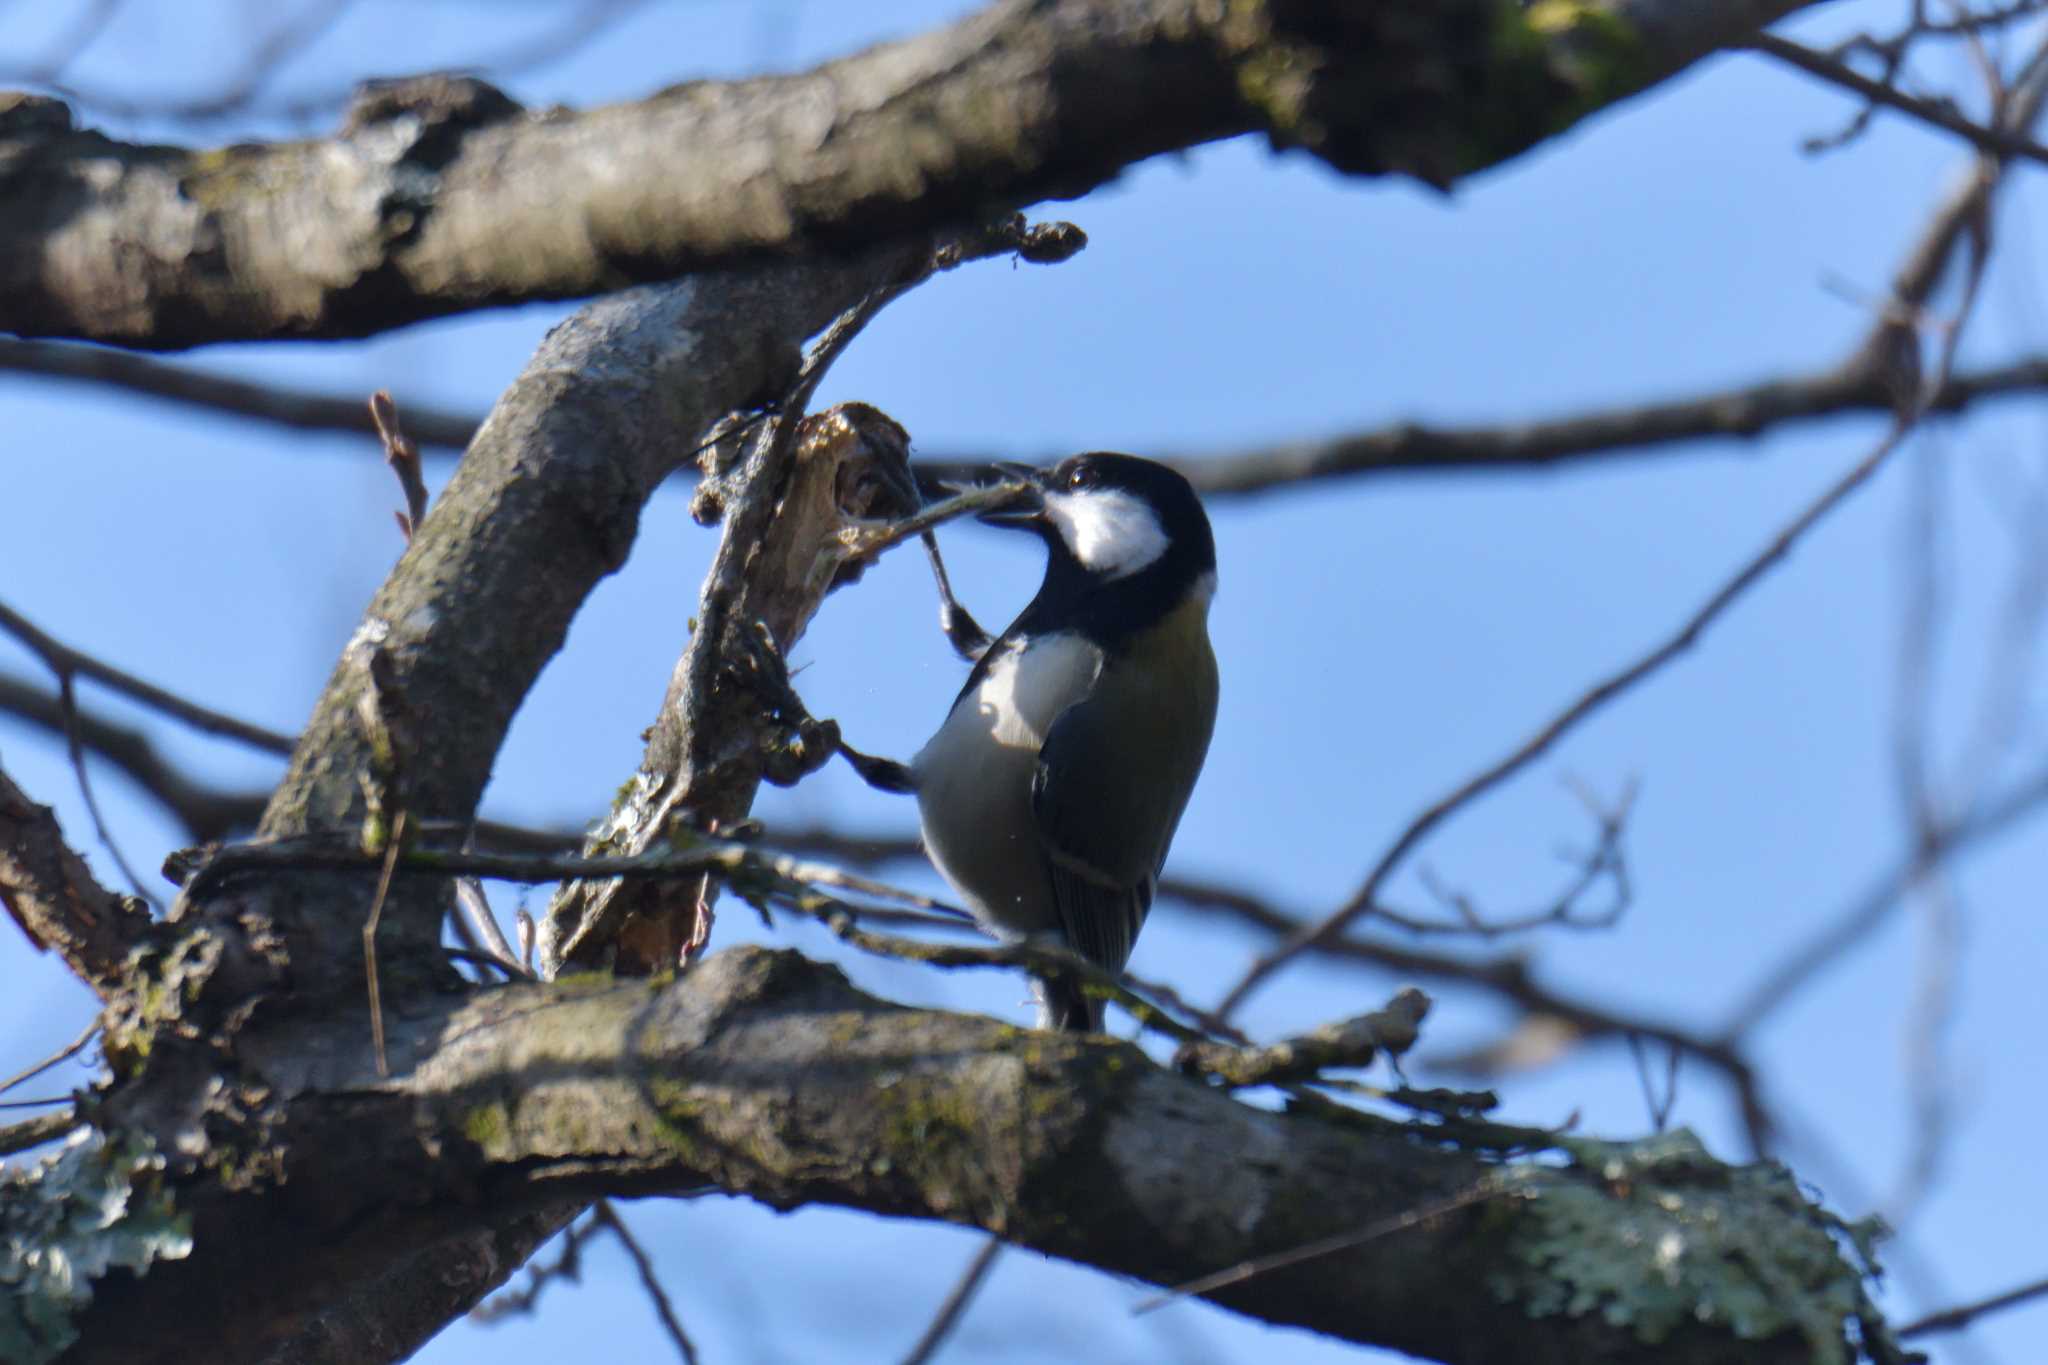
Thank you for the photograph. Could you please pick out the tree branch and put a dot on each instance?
(440, 194)
(1995, 141)
(608, 408)
(769, 1076)
(205, 813)
(52, 895)
(1743, 411)
(64, 660)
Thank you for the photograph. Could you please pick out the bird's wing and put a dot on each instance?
(1102, 844)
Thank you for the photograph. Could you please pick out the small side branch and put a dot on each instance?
(54, 898)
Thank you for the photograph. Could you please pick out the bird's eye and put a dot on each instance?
(1080, 476)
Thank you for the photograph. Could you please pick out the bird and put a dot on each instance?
(1049, 795)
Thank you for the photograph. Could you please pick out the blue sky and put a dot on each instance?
(1379, 639)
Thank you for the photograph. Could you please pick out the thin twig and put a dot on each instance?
(1888, 350)
(1659, 1105)
(1962, 1315)
(1924, 812)
(279, 405)
(608, 1218)
(1993, 141)
(710, 855)
(869, 539)
(1588, 703)
(74, 747)
(63, 1054)
(62, 659)
(1865, 911)
(955, 1304)
(394, 845)
(1744, 411)
(73, 42)
(475, 908)
(567, 1265)
(1325, 1246)
(204, 812)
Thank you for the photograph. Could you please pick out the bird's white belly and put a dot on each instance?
(974, 781)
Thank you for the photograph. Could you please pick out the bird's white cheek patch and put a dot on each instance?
(1112, 533)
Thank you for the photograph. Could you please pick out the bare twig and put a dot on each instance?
(1326, 1246)
(394, 844)
(57, 1058)
(1924, 811)
(62, 660)
(1994, 141)
(83, 32)
(874, 539)
(955, 1304)
(1603, 692)
(243, 96)
(1889, 350)
(1962, 1315)
(476, 913)
(258, 69)
(74, 748)
(277, 404)
(1510, 978)
(1865, 911)
(204, 812)
(1658, 1100)
(1745, 411)
(1355, 1042)
(1605, 862)
(567, 1265)
(1963, 218)
(711, 855)
(607, 1217)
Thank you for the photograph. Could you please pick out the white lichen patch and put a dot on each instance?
(94, 1206)
(1662, 1234)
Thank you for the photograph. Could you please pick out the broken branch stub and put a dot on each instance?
(783, 509)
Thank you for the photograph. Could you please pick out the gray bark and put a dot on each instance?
(440, 195)
(766, 1075)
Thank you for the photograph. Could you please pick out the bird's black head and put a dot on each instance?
(1128, 539)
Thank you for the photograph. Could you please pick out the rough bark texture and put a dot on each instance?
(440, 194)
(778, 555)
(51, 894)
(339, 1213)
(770, 1076)
(545, 503)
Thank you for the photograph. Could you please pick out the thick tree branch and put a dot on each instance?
(441, 195)
(768, 1076)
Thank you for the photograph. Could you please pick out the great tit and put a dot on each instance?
(1050, 793)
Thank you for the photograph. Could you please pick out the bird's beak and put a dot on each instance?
(1025, 511)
